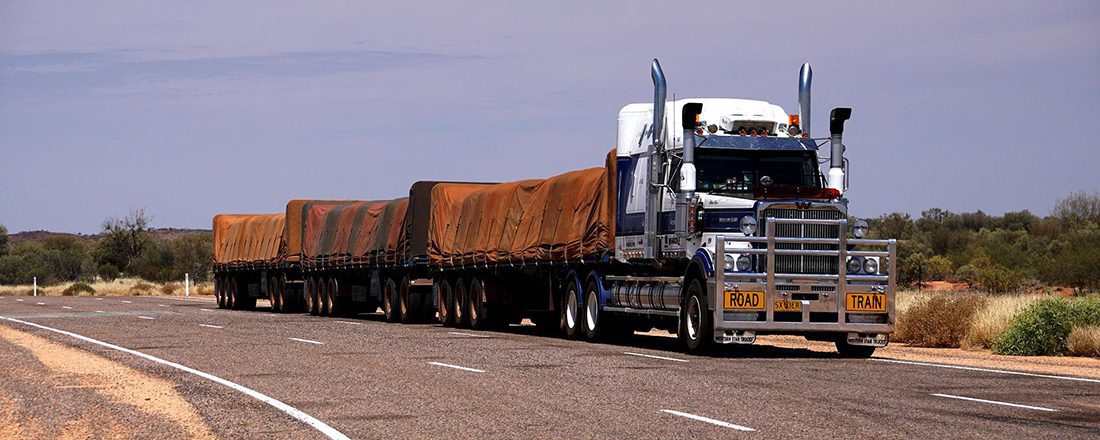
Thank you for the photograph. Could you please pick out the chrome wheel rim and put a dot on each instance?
(591, 311)
(693, 318)
(571, 310)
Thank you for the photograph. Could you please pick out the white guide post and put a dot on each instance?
(186, 284)
(35, 281)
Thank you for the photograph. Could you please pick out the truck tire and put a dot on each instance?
(852, 351)
(332, 298)
(231, 294)
(570, 312)
(219, 291)
(311, 296)
(273, 295)
(696, 330)
(444, 300)
(478, 316)
(597, 324)
(458, 306)
(404, 309)
(389, 293)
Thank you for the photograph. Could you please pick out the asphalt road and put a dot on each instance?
(366, 378)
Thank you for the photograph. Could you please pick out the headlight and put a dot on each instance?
(854, 265)
(870, 265)
(729, 262)
(744, 263)
(748, 225)
(859, 228)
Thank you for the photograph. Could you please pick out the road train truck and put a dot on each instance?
(711, 218)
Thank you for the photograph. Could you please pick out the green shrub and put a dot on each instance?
(967, 274)
(108, 272)
(78, 288)
(940, 320)
(1042, 329)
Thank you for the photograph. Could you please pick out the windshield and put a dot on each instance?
(739, 171)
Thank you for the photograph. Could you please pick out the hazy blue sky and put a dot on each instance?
(194, 108)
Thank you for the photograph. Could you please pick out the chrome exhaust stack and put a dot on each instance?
(805, 80)
(836, 144)
(656, 162)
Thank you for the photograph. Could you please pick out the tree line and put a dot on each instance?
(125, 246)
(1006, 253)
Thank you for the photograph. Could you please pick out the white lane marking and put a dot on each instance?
(708, 420)
(325, 429)
(654, 356)
(100, 311)
(99, 299)
(348, 322)
(475, 370)
(469, 334)
(127, 302)
(210, 326)
(163, 305)
(41, 304)
(66, 307)
(987, 370)
(308, 341)
(995, 402)
(17, 299)
(206, 310)
(146, 317)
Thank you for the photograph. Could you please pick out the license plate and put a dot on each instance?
(787, 305)
(866, 302)
(744, 300)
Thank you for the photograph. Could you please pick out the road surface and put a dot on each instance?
(363, 378)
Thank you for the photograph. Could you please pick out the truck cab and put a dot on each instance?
(730, 193)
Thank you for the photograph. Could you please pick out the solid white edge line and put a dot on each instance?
(210, 326)
(708, 420)
(995, 402)
(325, 429)
(308, 341)
(654, 356)
(475, 370)
(469, 334)
(987, 370)
(146, 317)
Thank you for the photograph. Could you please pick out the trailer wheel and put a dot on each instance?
(273, 294)
(459, 304)
(219, 291)
(231, 294)
(311, 296)
(570, 312)
(852, 351)
(696, 330)
(332, 298)
(388, 296)
(443, 299)
(404, 312)
(478, 316)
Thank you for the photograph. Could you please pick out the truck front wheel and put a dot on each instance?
(696, 330)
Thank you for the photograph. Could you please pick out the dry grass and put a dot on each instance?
(119, 287)
(1084, 341)
(938, 319)
(992, 320)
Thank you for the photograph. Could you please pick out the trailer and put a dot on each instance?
(716, 224)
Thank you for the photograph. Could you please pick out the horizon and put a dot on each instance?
(189, 113)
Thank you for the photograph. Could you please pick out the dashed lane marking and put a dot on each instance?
(324, 428)
(206, 310)
(987, 370)
(654, 356)
(127, 302)
(146, 317)
(67, 307)
(163, 305)
(20, 300)
(469, 334)
(41, 304)
(996, 402)
(308, 341)
(100, 311)
(457, 367)
(210, 326)
(348, 322)
(708, 420)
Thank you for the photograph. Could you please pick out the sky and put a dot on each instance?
(190, 108)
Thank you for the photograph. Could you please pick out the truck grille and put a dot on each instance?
(805, 264)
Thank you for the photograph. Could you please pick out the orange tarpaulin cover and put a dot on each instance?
(355, 233)
(296, 211)
(565, 217)
(248, 239)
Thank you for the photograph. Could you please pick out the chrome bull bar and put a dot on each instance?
(842, 280)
